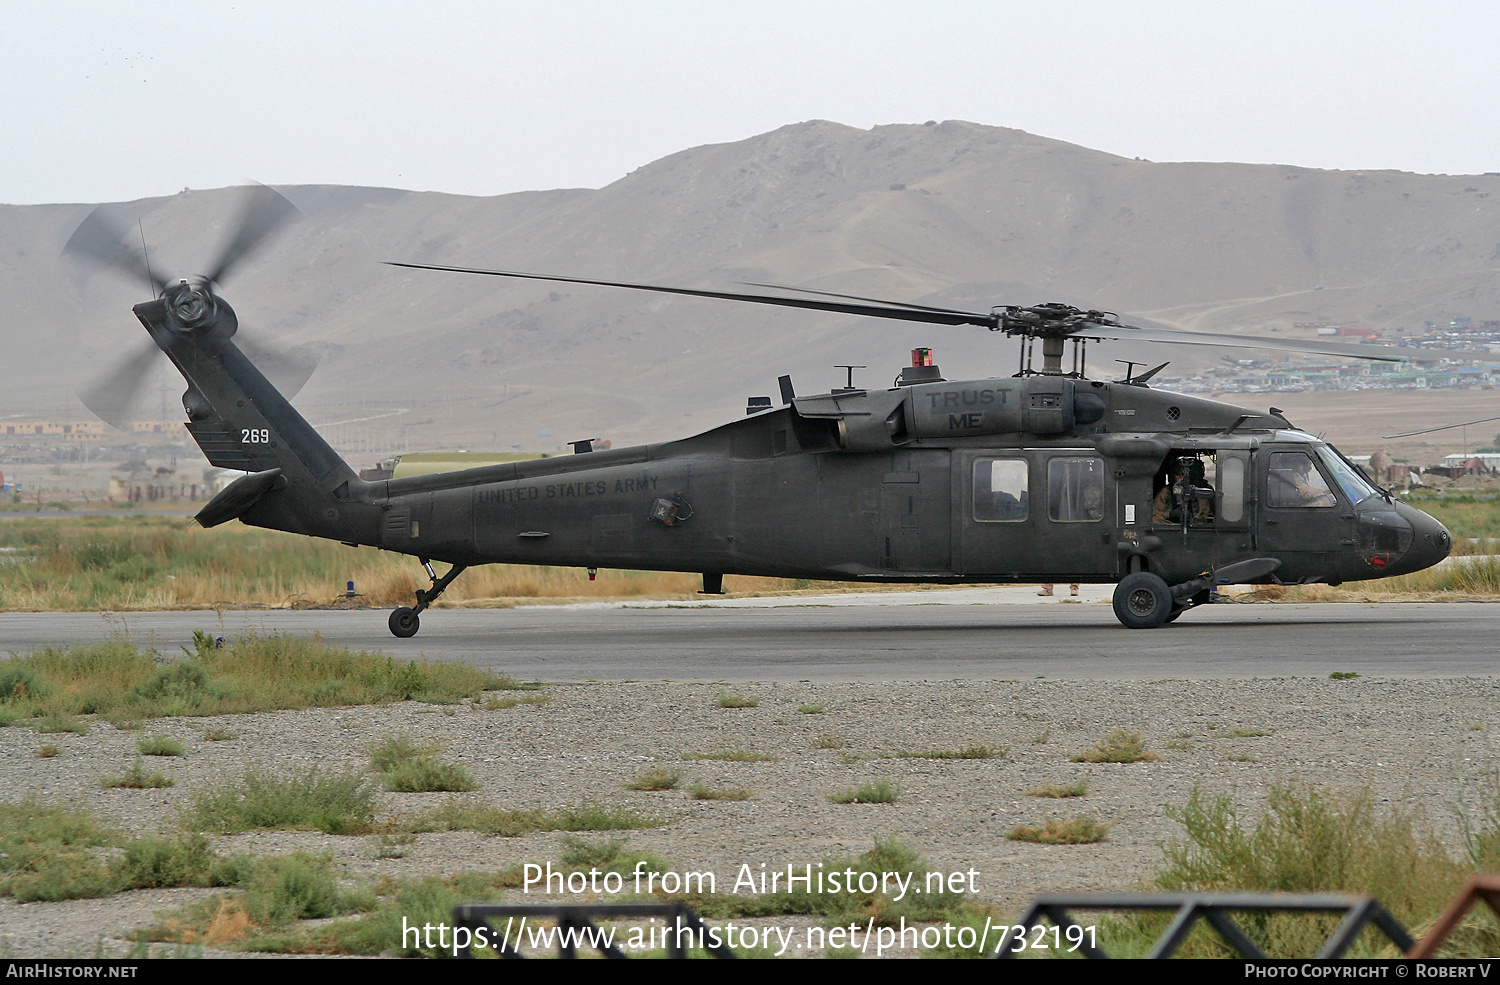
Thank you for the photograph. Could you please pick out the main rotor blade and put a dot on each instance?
(943, 316)
(1172, 336)
(288, 369)
(263, 210)
(100, 241)
(112, 396)
(855, 297)
(936, 316)
(1441, 427)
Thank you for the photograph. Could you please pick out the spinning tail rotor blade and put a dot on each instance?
(287, 368)
(262, 212)
(114, 394)
(102, 243)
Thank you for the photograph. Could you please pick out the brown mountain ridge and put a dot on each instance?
(952, 213)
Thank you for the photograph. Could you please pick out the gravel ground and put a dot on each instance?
(1429, 743)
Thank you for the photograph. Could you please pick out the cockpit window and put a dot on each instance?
(1355, 485)
(1293, 481)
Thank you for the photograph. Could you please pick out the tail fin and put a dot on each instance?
(242, 422)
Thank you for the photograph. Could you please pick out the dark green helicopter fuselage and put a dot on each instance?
(1024, 479)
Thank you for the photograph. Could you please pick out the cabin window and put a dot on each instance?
(1075, 490)
(1294, 482)
(1231, 473)
(1000, 490)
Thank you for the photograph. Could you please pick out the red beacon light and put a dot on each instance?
(921, 370)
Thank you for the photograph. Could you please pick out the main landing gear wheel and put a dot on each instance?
(405, 622)
(1143, 601)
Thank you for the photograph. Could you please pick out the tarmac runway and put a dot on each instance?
(966, 634)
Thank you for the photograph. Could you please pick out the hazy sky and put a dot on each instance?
(117, 100)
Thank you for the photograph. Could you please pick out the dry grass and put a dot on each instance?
(1118, 747)
(1312, 841)
(656, 778)
(732, 756)
(136, 778)
(1057, 791)
(1078, 831)
(967, 752)
(147, 562)
(120, 681)
(876, 792)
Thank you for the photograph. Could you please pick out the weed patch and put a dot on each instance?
(656, 778)
(876, 792)
(1057, 791)
(732, 756)
(136, 778)
(608, 855)
(45, 853)
(727, 700)
(1308, 841)
(968, 752)
(488, 819)
(306, 801)
(1078, 831)
(121, 682)
(1118, 747)
(159, 745)
(407, 767)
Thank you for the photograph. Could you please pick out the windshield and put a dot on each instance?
(1356, 487)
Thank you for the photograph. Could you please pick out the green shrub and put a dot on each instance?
(179, 860)
(394, 750)
(45, 853)
(655, 778)
(429, 775)
(136, 778)
(878, 792)
(160, 745)
(310, 800)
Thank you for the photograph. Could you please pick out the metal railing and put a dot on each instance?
(1214, 909)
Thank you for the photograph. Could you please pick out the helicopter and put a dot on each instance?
(1044, 476)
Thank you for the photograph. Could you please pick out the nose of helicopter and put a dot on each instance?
(1430, 542)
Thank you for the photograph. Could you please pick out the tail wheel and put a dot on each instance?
(1143, 601)
(405, 622)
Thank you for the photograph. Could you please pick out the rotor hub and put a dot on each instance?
(193, 308)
